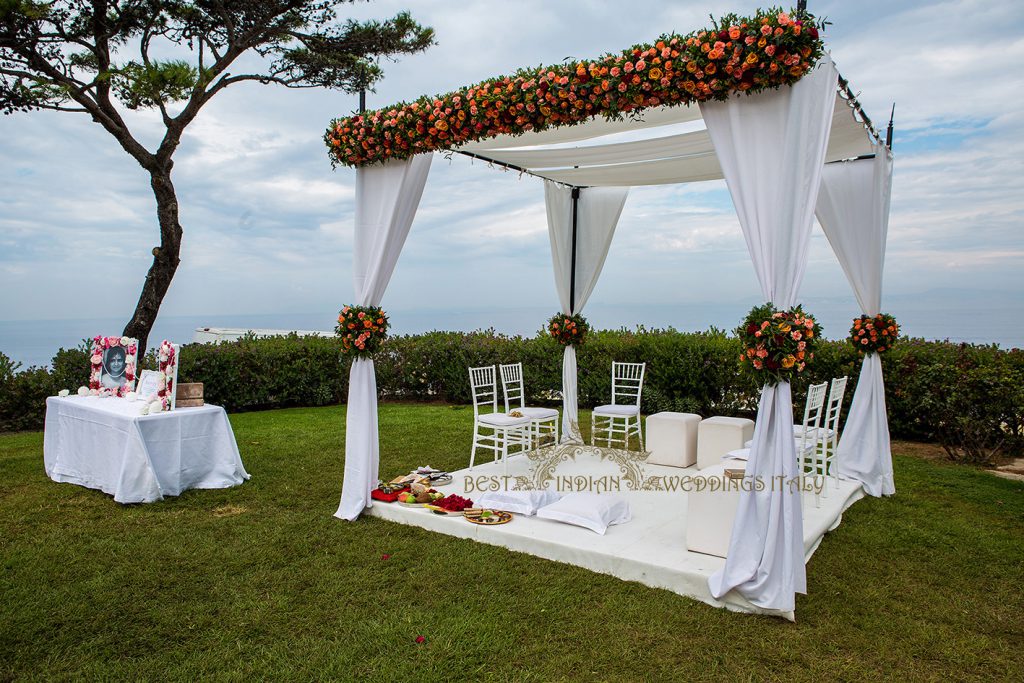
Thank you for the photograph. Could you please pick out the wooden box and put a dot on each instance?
(189, 395)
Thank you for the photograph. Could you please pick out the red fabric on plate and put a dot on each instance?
(377, 494)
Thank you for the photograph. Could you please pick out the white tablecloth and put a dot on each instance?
(103, 443)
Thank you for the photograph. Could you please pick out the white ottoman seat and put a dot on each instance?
(718, 435)
(711, 510)
(672, 439)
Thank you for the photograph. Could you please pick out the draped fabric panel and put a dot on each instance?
(853, 209)
(667, 156)
(387, 197)
(772, 147)
(598, 211)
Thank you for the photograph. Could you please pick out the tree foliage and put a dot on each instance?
(101, 57)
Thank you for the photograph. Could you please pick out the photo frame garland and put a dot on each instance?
(113, 361)
(167, 358)
(158, 388)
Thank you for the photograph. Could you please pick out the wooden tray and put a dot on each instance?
(497, 517)
(441, 511)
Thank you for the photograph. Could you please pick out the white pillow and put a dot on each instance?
(523, 502)
(593, 511)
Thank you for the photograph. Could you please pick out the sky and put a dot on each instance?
(268, 223)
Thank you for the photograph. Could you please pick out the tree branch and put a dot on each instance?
(144, 52)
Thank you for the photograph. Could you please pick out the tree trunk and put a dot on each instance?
(165, 258)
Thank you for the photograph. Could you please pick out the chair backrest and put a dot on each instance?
(512, 385)
(813, 406)
(835, 406)
(627, 383)
(484, 388)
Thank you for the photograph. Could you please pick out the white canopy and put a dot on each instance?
(663, 156)
(774, 187)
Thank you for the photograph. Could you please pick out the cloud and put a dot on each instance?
(268, 224)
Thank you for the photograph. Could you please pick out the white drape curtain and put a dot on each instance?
(387, 197)
(772, 148)
(853, 209)
(597, 213)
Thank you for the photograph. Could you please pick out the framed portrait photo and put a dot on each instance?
(113, 361)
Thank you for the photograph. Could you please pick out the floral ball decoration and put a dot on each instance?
(777, 345)
(568, 330)
(735, 54)
(362, 330)
(874, 334)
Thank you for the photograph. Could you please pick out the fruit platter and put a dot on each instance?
(487, 517)
(418, 499)
(450, 505)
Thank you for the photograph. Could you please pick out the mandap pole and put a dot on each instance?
(572, 267)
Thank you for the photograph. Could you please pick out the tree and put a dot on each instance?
(94, 57)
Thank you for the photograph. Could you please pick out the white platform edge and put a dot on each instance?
(673, 568)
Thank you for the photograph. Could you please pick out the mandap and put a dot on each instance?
(755, 100)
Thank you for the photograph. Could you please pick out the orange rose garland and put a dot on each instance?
(751, 54)
(362, 329)
(777, 345)
(874, 335)
(568, 330)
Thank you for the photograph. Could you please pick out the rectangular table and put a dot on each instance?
(104, 443)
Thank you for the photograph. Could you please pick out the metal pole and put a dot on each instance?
(572, 269)
(888, 131)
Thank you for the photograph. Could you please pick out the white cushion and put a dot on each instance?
(744, 453)
(503, 420)
(718, 435)
(711, 511)
(523, 502)
(537, 413)
(592, 511)
(617, 410)
(738, 454)
(672, 439)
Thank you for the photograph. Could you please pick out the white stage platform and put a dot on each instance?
(650, 549)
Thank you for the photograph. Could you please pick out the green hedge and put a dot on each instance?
(970, 398)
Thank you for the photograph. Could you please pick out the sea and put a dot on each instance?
(34, 342)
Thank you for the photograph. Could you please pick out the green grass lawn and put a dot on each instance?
(262, 581)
